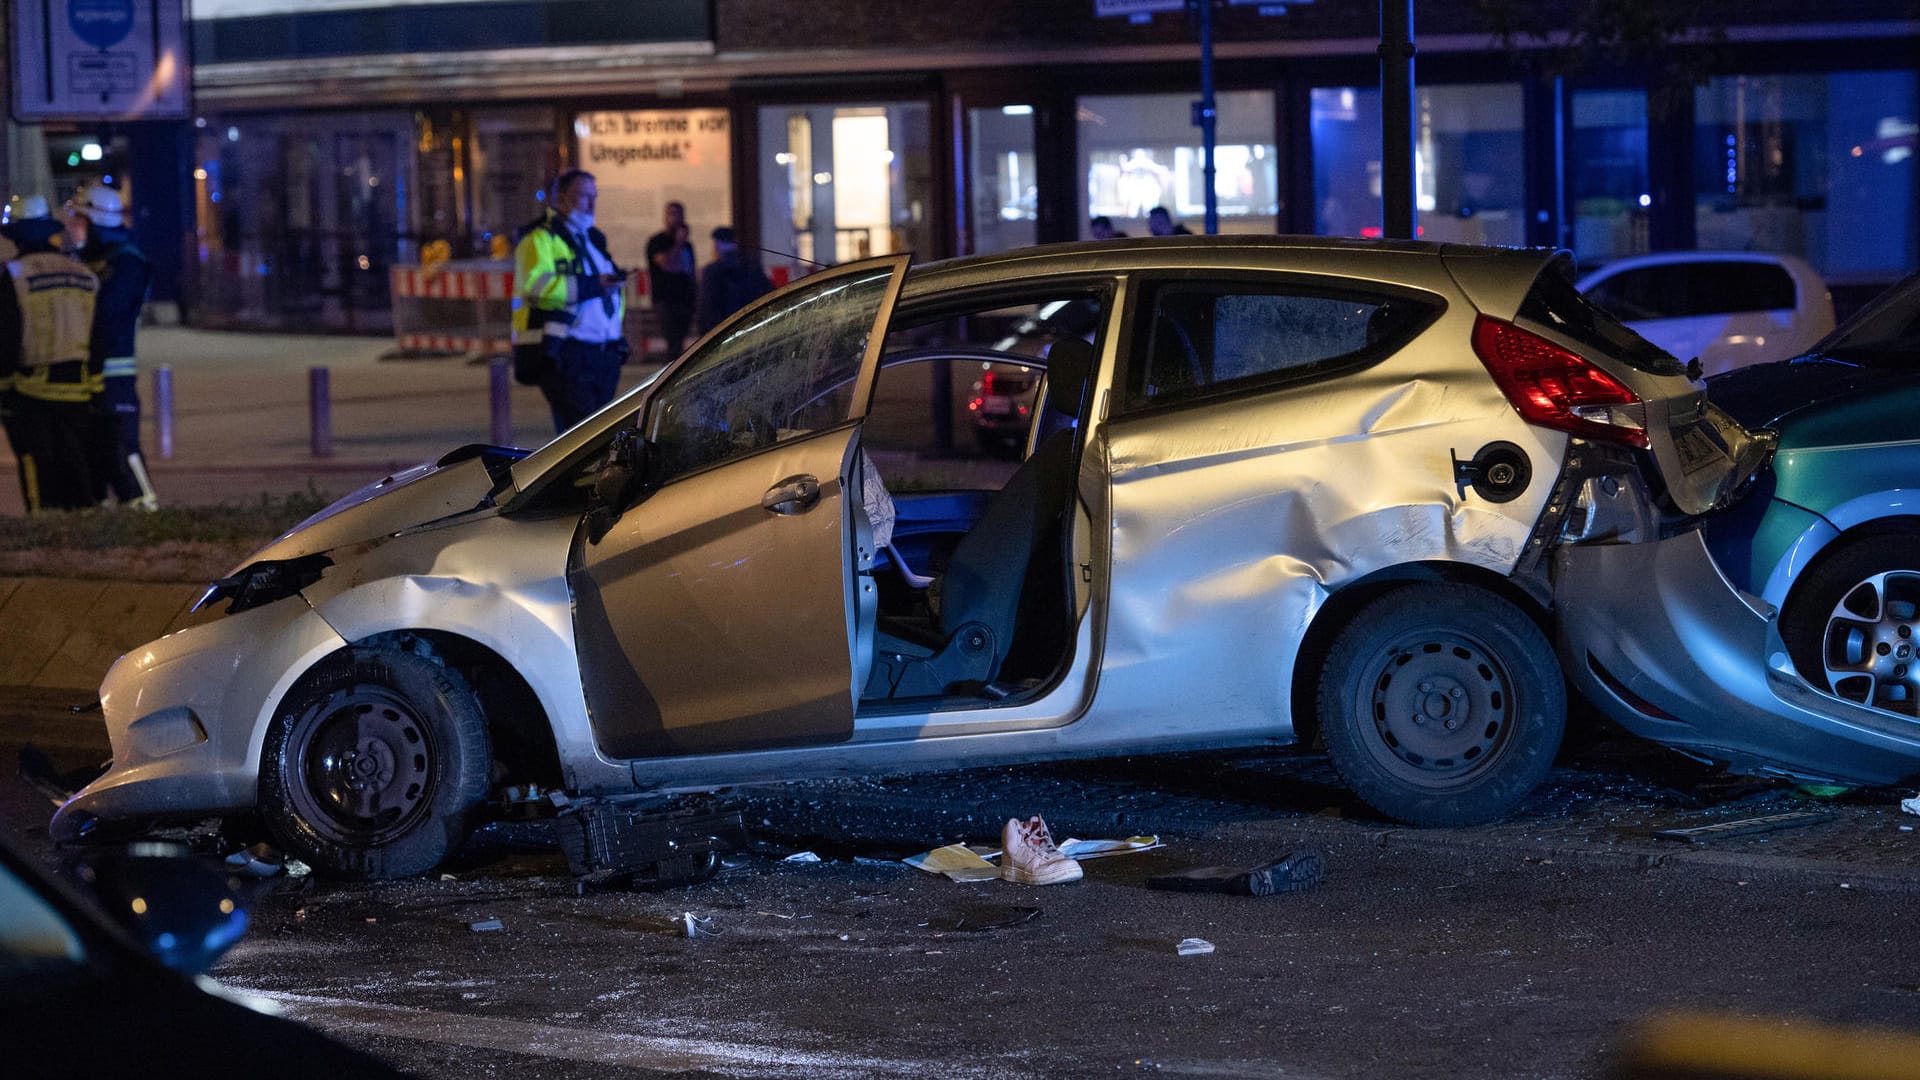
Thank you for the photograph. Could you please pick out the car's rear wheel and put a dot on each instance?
(373, 767)
(1852, 623)
(1441, 704)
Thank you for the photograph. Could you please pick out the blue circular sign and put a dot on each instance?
(101, 23)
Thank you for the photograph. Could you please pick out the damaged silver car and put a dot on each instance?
(1272, 489)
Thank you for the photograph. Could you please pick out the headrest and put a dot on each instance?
(1069, 369)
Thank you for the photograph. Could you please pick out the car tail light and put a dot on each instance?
(986, 385)
(1556, 387)
(974, 405)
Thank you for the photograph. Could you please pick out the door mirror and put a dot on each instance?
(622, 476)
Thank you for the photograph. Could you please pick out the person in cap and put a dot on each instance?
(46, 323)
(97, 232)
(730, 282)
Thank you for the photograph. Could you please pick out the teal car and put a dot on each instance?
(1779, 636)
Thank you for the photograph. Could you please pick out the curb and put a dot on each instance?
(64, 633)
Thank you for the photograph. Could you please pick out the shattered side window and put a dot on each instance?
(1203, 340)
(787, 372)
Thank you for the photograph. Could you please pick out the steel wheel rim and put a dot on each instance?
(363, 766)
(1439, 708)
(1868, 645)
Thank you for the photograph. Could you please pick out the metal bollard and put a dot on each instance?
(319, 412)
(499, 396)
(163, 409)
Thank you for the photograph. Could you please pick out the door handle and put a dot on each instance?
(794, 495)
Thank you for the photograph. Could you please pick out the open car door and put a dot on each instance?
(713, 615)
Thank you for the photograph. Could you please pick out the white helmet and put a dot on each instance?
(26, 207)
(101, 204)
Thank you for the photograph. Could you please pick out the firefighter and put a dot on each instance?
(97, 233)
(568, 306)
(46, 321)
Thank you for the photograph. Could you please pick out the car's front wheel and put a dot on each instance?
(1441, 704)
(1852, 624)
(373, 767)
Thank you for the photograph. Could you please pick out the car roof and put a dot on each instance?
(1799, 269)
(1328, 254)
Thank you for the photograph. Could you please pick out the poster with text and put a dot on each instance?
(645, 159)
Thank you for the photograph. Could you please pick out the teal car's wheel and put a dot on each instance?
(1852, 623)
(373, 767)
(1441, 704)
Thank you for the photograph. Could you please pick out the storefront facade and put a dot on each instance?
(833, 130)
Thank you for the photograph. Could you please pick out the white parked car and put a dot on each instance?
(1729, 308)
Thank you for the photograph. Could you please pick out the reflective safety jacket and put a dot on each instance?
(551, 278)
(123, 272)
(49, 311)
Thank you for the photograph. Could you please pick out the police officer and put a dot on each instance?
(46, 321)
(97, 232)
(568, 305)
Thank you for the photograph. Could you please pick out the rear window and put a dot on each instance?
(1687, 289)
(1554, 303)
(1206, 339)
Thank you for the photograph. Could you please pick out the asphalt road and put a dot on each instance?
(1525, 949)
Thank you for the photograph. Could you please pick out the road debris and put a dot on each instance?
(1193, 946)
(1911, 806)
(975, 862)
(956, 861)
(261, 860)
(696, 927)
(1083, 850)
(983, 917)
(1700, 834)
(485, 925)
(1298, 871)
(801, 857)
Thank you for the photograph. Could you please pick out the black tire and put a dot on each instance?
(372, 768)
(1852, 622)
(1441, 704)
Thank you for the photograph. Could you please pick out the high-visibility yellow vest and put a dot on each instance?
(56, 295)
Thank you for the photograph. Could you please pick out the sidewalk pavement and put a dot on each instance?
(240, 427)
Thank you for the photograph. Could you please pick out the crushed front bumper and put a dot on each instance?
(1655, 636)
(186, 715)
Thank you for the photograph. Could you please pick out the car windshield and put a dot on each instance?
(1885, 334)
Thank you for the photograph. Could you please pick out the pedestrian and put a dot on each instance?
(568, 305)
(1160, 223)
(46, 323)
(730, 282)
(1101, 228)
(670, 271)
(98, 234)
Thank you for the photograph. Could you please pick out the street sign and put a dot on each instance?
(85, 60)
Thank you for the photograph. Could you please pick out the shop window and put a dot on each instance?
(1607, 174)
(843, 182)
(514, 154)
(1468, 143)
(1001, 178)
(1140, 151)
(643, 159)
(1819, 166)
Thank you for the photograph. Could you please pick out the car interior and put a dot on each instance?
(976, 598)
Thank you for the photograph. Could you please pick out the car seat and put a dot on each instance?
(960, 647)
